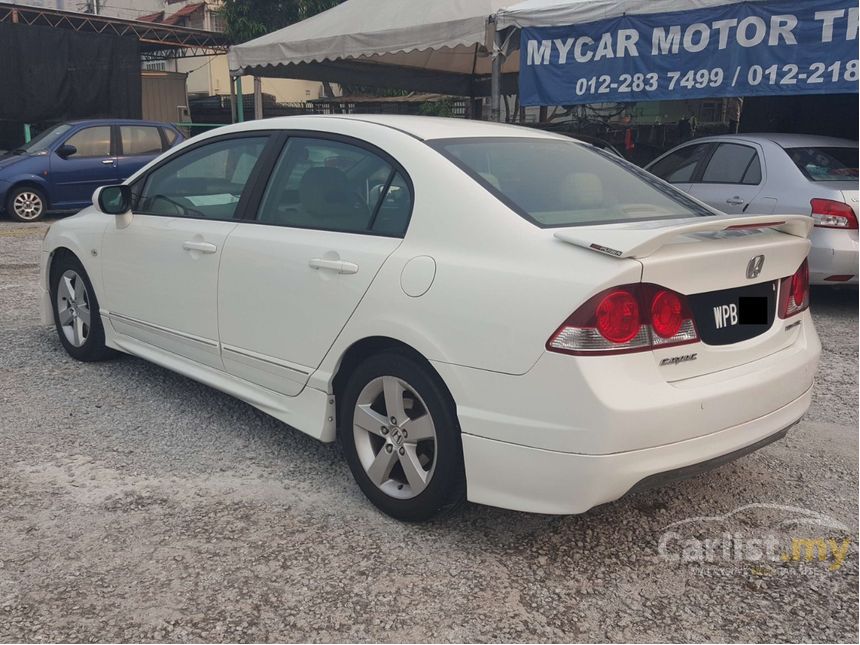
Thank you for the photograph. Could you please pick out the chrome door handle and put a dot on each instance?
(203, 247)
(333, 265)
(107, 161)
(735, 201)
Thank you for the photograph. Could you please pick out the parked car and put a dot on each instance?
(476, 310)
(59, 169)
(779, 173)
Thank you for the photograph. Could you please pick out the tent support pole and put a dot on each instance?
(258, 97)
(240, 101)
(232, 99)
(496, 79)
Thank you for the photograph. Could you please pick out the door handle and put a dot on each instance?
(333, 265)
(735, 201)
(203, 247)
(107, 161)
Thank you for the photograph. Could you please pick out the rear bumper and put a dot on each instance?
(833, 252)
(574, 432)
(544, 481)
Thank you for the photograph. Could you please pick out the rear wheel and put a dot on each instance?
(26, 204)
(399, 432)
(76, 311)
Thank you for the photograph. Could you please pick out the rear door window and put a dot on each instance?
(332, 185)
(679, 167)
(140, 140)
(733, 163)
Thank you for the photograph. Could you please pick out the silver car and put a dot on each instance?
(778, 173)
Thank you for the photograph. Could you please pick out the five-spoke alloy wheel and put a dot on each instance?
(400, 435)
(73, 308)
(76, 310)
(395, 437)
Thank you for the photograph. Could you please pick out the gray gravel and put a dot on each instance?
(137, 505)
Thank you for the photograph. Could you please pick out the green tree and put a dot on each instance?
(248, 19)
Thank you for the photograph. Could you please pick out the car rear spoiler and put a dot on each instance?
(641, 239)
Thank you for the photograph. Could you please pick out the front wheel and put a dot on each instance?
(26, 204)
(76, 311)
(400, 435)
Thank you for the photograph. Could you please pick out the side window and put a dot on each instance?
(393, 213)
(140, 140)
(329, 185)
(206, 182)
(91, 142)
(169, 136)
(678, 167)
(733, 163)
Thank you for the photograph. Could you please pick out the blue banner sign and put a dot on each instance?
(742, 49)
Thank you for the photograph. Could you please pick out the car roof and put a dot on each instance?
(420, 127)
(116, 122)
(785, 140)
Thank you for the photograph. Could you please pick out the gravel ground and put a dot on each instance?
(137, 505)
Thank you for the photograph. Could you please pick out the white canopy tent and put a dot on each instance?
(419, 45)
(460, 47)
(547, 13)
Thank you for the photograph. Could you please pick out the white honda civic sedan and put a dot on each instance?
(476, 311)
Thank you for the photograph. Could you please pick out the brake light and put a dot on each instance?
(617, 317)
(827, 213)
(629, 318)
(794, 292)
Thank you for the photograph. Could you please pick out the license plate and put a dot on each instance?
(733, 315)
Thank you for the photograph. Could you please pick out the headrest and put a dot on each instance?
(324, 191)
(582, 190)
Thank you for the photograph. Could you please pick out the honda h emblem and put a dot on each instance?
(755, 266)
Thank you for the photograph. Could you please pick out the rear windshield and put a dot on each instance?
(555, 183)
(825, 163)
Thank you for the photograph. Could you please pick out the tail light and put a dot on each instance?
(794, 292)
(827, 213)
(629, 318)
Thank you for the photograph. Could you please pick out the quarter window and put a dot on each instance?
(679, 166)
(169, 136)
(733, 163)
(206, 182)
(140, 140)
(329, 185)
(91, 142)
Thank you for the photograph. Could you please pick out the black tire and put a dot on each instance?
(446, 488)
(26, 190)
(93, 347)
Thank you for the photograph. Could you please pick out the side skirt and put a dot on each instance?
(311, 411)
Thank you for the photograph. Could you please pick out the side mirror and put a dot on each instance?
(66, 150)
(112, 200)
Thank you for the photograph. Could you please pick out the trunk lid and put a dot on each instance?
(713, 261)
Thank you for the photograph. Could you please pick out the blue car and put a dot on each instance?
(59, 169)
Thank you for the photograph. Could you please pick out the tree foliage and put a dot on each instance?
(248, 19)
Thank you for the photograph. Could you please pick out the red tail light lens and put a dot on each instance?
(827, 213)
(618, 317)
(794, 292)
(630, 318)
(666, 318)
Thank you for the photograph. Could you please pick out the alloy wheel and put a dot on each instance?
(73, 308)
(28, 205)
(395, 437)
